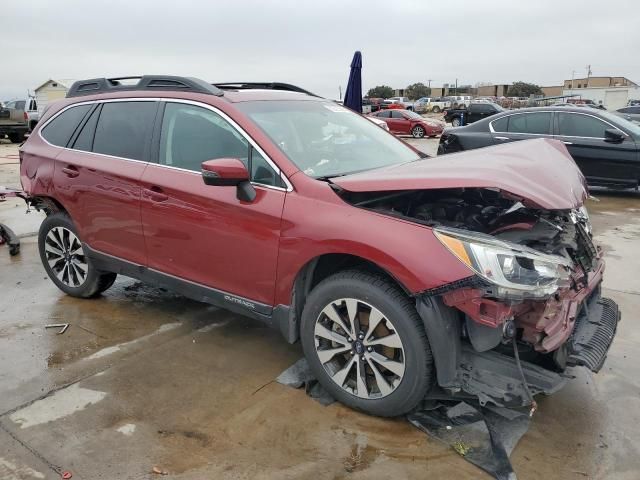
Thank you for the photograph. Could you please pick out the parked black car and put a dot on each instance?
(475, 112)
(606, 147)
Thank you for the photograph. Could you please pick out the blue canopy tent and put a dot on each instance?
(353, 95)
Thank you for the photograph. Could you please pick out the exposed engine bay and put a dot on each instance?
(487, 211)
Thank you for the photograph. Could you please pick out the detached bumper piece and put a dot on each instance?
(593, 333)
(494, 378)
(7, 236)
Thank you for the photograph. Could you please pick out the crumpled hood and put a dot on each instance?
(540, 173)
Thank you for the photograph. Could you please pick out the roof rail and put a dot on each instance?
(262, 85)
(147, 82)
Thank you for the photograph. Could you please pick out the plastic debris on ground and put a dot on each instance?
(484, 436)
(299, 375)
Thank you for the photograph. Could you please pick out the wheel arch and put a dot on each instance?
(47, 204)
(287, 318)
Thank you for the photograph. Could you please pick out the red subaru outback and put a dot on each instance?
(405, 277)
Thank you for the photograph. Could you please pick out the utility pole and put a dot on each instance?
(573, 74)
(429, 83)
(339, 92)
(588, 74)
(456, 86)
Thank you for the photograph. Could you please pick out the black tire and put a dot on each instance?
(436, 109)
(96, 281)
(418, 132)
(385, 296)
(16, 137)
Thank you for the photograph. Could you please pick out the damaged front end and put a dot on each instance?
(531, 306)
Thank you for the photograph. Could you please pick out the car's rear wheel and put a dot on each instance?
(436, 109)
(65, 260)
(365, 343)
(418, 131)
(456, 122)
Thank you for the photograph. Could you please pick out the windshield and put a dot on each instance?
(325, 139)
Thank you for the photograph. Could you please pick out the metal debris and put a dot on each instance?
(63, 326)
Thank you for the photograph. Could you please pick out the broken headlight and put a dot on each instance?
(516, 270)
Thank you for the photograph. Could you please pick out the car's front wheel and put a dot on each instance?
(436, 109)
(365, 343)
(418, 131)
(65, 260)
(456, 122)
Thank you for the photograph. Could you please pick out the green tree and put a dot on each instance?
(381, 91)
(417, 90)
(523, 89)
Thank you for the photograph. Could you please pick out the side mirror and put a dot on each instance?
(229, 172)
(613, 135)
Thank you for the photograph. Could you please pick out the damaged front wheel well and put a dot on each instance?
(317, 270)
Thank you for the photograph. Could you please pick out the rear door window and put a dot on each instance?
(396, 114)
(578, 125)
(59, 130)
(123, 129)
(538, 123)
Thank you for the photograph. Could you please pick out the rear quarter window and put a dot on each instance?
(123, 128)
(500, 125)
(59, 130)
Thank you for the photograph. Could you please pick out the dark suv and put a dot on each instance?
(403, 276)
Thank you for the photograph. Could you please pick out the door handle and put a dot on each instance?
(502, 138)
(70, 171)
(156, 194)
(567, 143)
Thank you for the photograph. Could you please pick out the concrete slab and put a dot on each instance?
(18, 462)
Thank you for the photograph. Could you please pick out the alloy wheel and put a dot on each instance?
(65, 256)
(359, 348)
(455, 122)
(418, 131)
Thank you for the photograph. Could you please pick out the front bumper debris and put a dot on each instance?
(494, 379)
(593, 333)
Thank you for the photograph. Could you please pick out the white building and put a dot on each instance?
(50, 91)
(611, 97)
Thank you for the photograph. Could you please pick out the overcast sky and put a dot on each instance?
(310, 43)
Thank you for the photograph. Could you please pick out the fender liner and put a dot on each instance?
(443, 327)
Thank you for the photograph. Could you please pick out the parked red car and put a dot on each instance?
(405, 122)
(472, 275)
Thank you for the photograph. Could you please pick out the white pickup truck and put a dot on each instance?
(408, 104)
(428, 104)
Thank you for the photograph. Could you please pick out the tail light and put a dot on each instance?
(24, 114)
